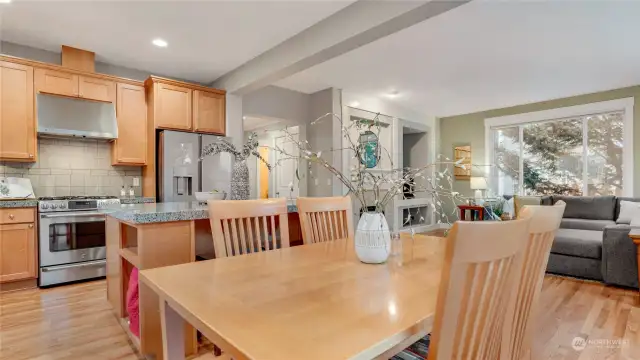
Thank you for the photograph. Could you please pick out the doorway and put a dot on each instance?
(263, 174)
(286, 174)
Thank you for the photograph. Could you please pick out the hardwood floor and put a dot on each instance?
(75, 322)
(68, 322)
(575, 308)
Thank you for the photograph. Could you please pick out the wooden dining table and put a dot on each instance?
(307, 302)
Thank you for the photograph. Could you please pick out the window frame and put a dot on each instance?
(625, 105)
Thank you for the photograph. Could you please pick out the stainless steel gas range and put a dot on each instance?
(72, 238)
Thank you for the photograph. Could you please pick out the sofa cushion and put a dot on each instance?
(617, 211)
(575, 266)
(588, 207)
(619, 261)
(585, 224)
(580, 243)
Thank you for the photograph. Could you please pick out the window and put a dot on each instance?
(549, 152)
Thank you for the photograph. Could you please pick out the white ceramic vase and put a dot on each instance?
(373, 239)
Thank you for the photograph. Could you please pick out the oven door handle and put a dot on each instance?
(50, 216)
(76, 265)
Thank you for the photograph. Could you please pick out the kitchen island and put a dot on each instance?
(151, 235)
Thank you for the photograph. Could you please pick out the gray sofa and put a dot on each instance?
(589, 243)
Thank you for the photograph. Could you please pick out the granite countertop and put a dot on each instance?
(163, 212)
(137, 200)
(18, 203)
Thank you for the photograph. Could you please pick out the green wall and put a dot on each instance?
(469, 128)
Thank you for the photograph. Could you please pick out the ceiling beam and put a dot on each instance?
(356, 25)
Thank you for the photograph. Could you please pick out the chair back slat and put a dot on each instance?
(475, 288)
(545, 221)
(325, 219)
(235, 222)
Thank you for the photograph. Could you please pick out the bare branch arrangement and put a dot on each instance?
(384, 185)
(248, 149)
(240, 189)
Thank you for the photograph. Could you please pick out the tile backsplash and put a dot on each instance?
(74, 167)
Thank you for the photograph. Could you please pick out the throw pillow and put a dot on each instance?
(628, 210)
(635, 220)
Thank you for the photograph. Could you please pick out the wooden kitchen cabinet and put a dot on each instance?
(172, 106)
(97, 89)
(130, 148)
(17, 113)
(17, 252)
(56, 82)
(209, 113)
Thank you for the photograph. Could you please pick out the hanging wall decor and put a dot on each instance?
(462, 162)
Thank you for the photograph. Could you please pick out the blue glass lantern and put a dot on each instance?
(369, 149)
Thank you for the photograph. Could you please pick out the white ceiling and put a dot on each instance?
(206, 38)
(492, 54)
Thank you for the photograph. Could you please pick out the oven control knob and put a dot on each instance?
(45, 206)
(55, 206)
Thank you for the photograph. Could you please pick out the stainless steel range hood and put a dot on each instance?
(63, 116)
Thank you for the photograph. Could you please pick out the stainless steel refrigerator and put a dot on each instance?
(180, 172)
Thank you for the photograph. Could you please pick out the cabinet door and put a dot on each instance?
(17, 252)
(56, 82)
(172, 107)
(17, 113)
(97, 89)
(209, 112)
(131, 110)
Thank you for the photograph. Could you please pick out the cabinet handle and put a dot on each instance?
(31, 155)
(11, 216)
(30, 226)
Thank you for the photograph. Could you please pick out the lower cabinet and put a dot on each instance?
(18, 259)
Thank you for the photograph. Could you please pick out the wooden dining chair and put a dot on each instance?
(545, 221)
(325, 218)
(475, 288)
(247, 226)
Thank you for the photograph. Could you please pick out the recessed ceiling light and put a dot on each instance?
(158, 42)
(244, 118)
(393, 94)
(354, 104)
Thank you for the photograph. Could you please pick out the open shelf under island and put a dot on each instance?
(148, 236)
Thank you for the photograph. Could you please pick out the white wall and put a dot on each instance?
(387, 107)
(320, 137)
(298, 109)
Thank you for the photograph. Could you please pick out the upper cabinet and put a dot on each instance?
(172, 106)
(182, 106)
(56, 82)
(209, 112)
(17, 113)
(97, 89)
(130, 148)
(70, 84)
